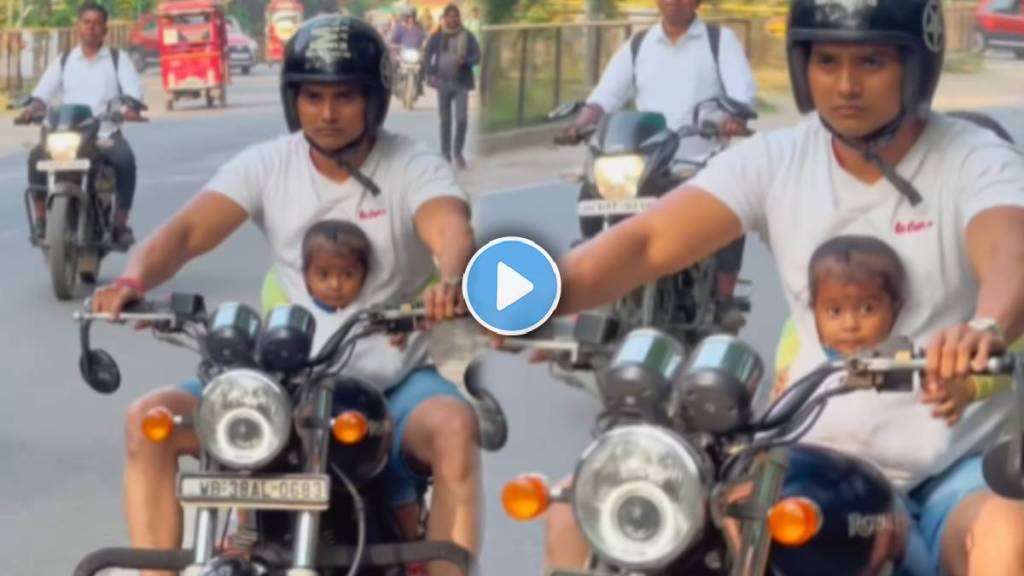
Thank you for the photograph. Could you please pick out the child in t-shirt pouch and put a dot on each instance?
(336, 257)
(857, 290)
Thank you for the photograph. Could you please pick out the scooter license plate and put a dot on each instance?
(287, 492)
(78, 165)
(614, 207)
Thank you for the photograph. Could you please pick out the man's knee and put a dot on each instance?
(453, 433)
(985, 529)
(137, 446)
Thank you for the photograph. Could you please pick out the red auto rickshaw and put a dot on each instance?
(193, 51)
(283, 18)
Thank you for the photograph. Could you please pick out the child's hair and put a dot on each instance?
(338, 237)
(857, 259)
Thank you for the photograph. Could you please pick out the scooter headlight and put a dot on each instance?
(640, 496)
(63, 145)
(409, 56)
(244, 419)
(618, 177)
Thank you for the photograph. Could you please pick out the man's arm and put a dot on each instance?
(443, 225)
(615, 87)
(683, 227)
(734, 68)
(995, 246)
(131, 85)
(48, 85)
(472, 49)
(205, 222)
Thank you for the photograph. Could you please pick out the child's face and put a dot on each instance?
(334, 279)
(852, 316)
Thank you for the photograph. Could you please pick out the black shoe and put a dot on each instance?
(38, 233)
(123, 237)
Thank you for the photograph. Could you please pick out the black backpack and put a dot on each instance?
(114, 54)
(714, 37)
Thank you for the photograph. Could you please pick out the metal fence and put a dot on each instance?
(528, 69)
(26, 52)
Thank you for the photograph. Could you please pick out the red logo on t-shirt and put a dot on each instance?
(912, 227)
(371, 214)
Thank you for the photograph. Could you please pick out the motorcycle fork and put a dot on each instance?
(206, 526)
(750, 554)
(316, 442)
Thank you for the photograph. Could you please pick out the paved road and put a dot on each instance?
(60, 443)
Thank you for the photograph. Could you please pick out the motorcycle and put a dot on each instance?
(80, 193)
(408, 85)
(683, 478)
(631, 162)
(283, 434)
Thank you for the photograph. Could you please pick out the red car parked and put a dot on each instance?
(1000, 25)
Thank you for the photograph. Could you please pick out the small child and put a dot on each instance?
(857, 288)
(335, 263)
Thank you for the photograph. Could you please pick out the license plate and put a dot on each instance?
(291, 492)
(614, 207)
(79, 164)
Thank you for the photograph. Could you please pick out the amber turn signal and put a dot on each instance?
(349, 427)
(794, 521)
(525, 497)
(158, 424)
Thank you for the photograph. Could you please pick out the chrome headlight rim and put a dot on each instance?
(619, 173)
(699, 512)
(213, 421)
(63, 145)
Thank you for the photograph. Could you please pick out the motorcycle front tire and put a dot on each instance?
(61, 247)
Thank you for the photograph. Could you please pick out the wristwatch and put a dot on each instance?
(454, 281)
(987, 325)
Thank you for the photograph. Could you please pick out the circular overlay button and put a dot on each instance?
(511, 286)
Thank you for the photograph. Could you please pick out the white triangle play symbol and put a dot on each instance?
(512, 286)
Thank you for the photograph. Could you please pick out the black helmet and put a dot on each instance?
(917, 26)
(335, 48)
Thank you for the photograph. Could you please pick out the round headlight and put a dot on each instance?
(618, 177)
(640, 496)
(244, 420)
(63, 145)
(409, 55)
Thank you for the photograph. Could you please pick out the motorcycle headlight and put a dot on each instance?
(618, 177)
(410, 56)
(244, 420)
(63, 145)
(640, 496)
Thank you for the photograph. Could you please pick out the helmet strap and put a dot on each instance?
(343, 158)
(869, 145)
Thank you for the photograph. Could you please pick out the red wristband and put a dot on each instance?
(130, 283)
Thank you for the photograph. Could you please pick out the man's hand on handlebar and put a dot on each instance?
(732, 127)
(132, 115)
(113, 298)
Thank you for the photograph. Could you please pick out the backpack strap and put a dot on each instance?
(634, 51)
(715, 39)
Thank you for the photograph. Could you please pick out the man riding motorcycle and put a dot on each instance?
(946, 194)
(669, 69)
(338, 163)
(90, 74)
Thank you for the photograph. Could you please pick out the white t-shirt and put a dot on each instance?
(278, 186)
(787, 186)
(673, 78)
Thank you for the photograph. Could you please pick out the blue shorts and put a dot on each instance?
(404, 485)
(930, 505)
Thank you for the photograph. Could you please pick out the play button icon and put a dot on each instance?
(511, 286)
